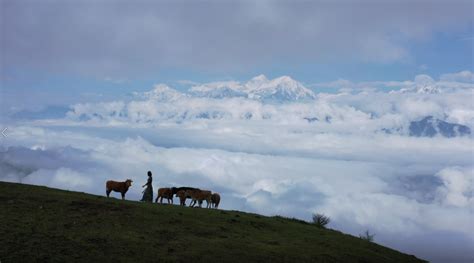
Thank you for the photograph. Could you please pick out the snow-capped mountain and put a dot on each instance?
(282, 89)
(430, 126)
(423, 84)
(161, 92)
(256, 82)
(219, 90)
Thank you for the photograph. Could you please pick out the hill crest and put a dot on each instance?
(45, 224)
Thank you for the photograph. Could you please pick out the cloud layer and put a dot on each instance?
(327, 155)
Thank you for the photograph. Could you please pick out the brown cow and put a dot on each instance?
(164, 193)
(121, 187)
(199, 196)
(182, 197)
(215, 200)
(176, 189)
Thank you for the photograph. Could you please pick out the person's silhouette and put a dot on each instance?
(148, 192)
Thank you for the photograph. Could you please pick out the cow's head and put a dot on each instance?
(174, 190)
(128, 182)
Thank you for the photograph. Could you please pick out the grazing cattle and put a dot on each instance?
(199, 196)
(215, 200)
(175, 190)
(121, 187)
(182, 197)
(164, 193)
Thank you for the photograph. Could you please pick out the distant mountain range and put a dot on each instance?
(280, 89)
(182, 106)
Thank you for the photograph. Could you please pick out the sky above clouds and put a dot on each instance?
(97, 90)
(115, 41)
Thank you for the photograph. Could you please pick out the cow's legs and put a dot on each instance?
(107, 192)
(123, 196)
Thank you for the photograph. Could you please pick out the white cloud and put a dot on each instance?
(457, 188)
(462, 76)
(64, 178)
(421, 107)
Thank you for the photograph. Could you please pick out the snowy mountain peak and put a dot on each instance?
(255, 83)
(283, 88)
(426, 84)
(286, 82)
(422, 84)
(218, 90)
(428, 89)
(259, 78)
(216, 85)
(162, 92)
(284, 79)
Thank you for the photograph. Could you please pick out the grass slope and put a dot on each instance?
(50, 225)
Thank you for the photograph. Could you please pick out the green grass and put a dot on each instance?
(50, 225)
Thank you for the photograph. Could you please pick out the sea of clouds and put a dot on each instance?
(330, 155)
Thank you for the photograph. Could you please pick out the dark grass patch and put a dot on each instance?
(39, 224)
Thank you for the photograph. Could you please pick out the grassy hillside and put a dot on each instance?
(44, 224)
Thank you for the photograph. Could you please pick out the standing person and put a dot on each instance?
(148, 192)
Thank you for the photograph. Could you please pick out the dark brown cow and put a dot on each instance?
(121, 187)
(164, 193)
(175, 190)
(182, 197)
(215, 200)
